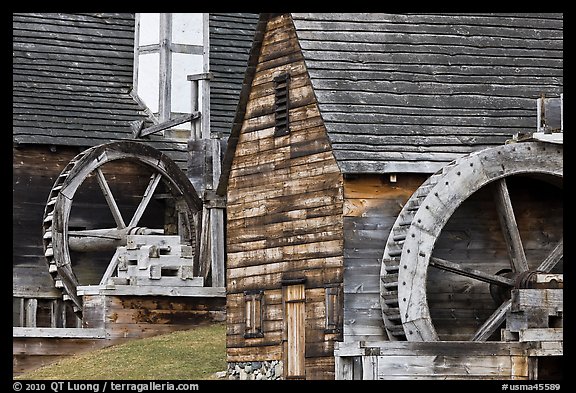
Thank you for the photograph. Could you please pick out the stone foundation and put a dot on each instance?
(268, 369)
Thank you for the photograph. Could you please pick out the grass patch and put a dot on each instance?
(194, 354)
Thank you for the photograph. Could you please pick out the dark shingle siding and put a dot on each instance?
(230, 42)
(72, 75)
(411, 92)
(72, 78)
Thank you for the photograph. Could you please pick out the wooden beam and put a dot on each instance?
(165, 73)
(149, 290)
(553, 258)
(472, 273)
(166, 124)
(492, 323)
(154, 180)
(58, 332)
(541, 334)
(110, 199)
(30, 306)
(509, 226)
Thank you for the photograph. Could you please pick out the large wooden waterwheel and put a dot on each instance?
(473, 231)
(106, 193)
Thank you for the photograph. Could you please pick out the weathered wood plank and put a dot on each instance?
(282, 204)
(34, 332)
(278, 267)
(287, 187)
(320, 249)
(153, 290)
(549, 299)
(248, 354)
(315, 278)
(313, 167)
(286, 239)
(488, 366)
(509, 226)
(541, 334)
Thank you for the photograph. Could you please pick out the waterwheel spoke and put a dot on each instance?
(509, 226)
(553, 258)
(154, 180)
(491, 324)
(110, 199)
(468, 272)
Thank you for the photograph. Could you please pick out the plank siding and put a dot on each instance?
(34, 170)
(285, 205)
(230, 41)
(371, 204)
(458, 360)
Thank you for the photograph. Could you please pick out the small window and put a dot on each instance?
(333, 310)
(253, 317)
(281, 104)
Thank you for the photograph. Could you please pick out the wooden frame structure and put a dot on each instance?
(74, 93)
(377, 103)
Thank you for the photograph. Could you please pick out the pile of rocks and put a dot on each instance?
(255, 370)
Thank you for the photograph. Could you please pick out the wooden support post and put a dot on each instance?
(165, 85)
(369, 368)
(216, 220)
(207, 162)
(199, 96)
(217, 247)
(205, 254)
(344, 369)
(57, 314)
(195, 134)
(31, 305)
(357, 367)
(18, 319)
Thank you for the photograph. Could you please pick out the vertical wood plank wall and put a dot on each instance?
(284, 211)
(371, 206)
(34, 170)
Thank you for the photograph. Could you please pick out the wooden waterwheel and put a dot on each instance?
(469, 234)
(106, 193)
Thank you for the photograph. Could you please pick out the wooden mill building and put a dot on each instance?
(74, 88)
(341, 119)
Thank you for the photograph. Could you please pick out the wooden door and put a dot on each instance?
(294, 331)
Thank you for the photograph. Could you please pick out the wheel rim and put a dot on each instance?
(58, 238)
(410, 246)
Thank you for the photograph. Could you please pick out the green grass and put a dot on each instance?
(194, 354)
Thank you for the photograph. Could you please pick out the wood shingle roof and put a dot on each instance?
(409, 93)
(72, 81)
